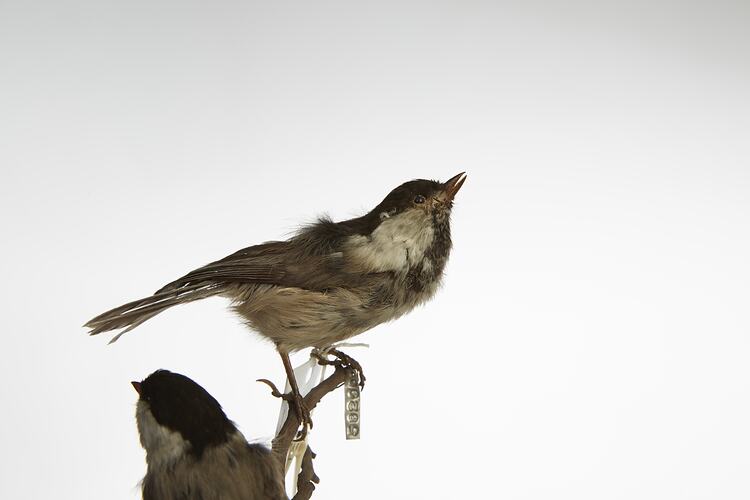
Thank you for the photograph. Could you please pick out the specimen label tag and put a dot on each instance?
(352, 406)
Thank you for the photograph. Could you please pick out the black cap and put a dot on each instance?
(180, 404)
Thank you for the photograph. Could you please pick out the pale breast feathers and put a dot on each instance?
(397, 244)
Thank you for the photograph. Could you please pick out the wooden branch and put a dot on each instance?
(307, 478)
(284, 438)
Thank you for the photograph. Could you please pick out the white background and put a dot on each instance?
(591, 340)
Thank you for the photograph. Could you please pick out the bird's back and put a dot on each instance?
(233, 471)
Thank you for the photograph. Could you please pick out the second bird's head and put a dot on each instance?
(178, 417)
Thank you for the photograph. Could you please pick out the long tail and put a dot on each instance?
(132, 314)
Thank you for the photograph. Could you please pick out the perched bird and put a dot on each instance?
(329, 282)
(193, 451)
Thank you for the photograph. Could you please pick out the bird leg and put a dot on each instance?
(298, 403)
(343, 360)
(293, 399)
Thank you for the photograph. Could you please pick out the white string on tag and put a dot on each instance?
(347, 344)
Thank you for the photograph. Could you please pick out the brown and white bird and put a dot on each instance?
(193, 451)
(327, 283)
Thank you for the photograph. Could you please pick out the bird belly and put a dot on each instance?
(295, 318)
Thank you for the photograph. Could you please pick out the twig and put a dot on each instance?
(283, 439)
(307, 479)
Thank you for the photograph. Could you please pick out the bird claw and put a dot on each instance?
(274, 390)
(344, 361)
(295, 401)
(300, 408)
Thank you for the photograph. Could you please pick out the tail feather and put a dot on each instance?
(132, 314)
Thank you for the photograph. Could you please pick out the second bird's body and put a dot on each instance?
(193, 451)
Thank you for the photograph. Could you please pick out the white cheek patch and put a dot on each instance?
(396, 244)
(163, 446)
(386, 215)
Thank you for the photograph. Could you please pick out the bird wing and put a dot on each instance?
(313, 260)
(275, 263)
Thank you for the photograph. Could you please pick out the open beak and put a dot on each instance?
(137, 387)
(452, 185)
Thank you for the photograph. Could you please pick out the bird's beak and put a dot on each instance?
(452, 185)
(137, 387)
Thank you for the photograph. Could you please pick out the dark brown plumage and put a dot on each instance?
(193, 451)
(330, 281)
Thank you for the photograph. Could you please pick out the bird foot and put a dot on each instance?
(343, 360)
(296, 402)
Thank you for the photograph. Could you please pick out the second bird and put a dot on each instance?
(327, 283)
(193, 451)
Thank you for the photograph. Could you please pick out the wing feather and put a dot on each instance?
(275, 263)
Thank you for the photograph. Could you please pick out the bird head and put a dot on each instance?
(175, 415)
(409, 230)
(420, 199)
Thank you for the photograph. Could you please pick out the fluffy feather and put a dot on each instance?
(194, 452)
(328, 282)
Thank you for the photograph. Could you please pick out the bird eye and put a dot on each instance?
(419, 199)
